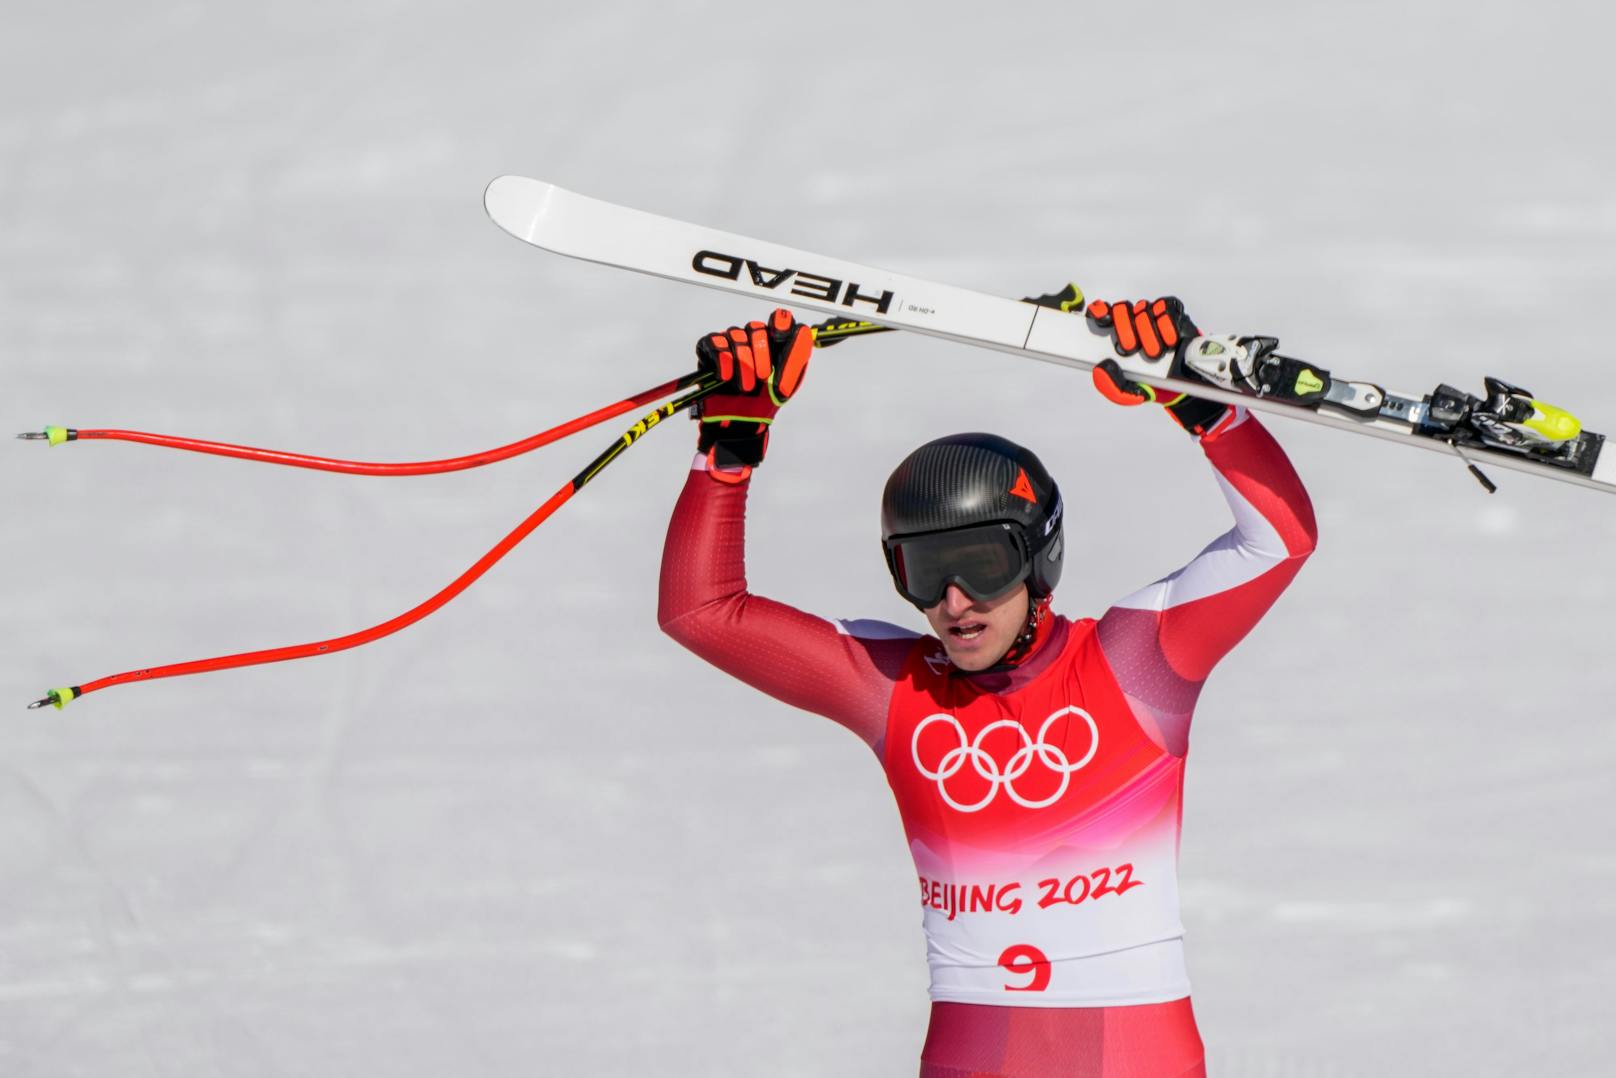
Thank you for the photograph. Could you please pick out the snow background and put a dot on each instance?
(530, 835)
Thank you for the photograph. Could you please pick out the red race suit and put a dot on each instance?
(1041, 803)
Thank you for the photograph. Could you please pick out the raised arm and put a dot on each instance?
(1163, 640)
(841, 670)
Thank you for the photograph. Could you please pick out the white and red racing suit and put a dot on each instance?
(1041, 803)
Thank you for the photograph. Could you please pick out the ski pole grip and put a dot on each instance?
(1068, 299)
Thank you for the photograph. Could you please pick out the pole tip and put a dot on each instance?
(53, 435)
(57, 698)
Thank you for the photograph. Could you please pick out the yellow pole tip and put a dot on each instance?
(57, 698)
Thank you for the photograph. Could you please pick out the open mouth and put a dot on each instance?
(968, 631)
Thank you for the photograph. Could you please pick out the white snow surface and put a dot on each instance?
(531, 835)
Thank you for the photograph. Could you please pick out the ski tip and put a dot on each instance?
(517, 203)
(497, 196)
(499, 183)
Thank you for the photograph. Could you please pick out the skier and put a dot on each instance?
(1037, 761)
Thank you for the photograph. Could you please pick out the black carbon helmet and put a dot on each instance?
(971, 479)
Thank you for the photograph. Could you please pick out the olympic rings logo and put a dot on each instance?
(1051, 756)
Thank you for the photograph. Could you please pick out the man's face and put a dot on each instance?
(977, 634)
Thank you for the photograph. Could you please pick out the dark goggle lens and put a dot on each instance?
(985, 561)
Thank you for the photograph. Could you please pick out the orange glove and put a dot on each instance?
(1156, 329)
(762, 367)
(1195, 414)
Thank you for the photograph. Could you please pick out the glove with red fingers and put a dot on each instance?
(762, 367)
(1156, 329)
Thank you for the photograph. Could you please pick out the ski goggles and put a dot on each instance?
(985, 560)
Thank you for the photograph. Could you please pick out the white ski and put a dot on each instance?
(575, 225)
